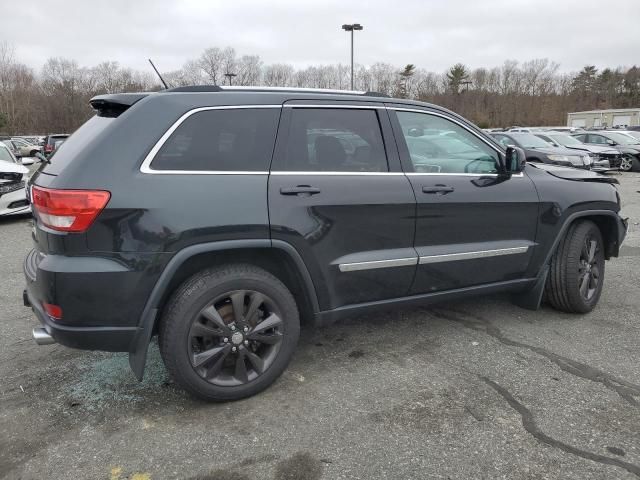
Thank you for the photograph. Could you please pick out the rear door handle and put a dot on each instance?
(439, 189)
(300, 190)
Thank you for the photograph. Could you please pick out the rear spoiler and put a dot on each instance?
(113, 104)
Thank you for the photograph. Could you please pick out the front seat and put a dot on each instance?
(330, 154)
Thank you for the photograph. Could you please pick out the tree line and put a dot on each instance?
(535, 92)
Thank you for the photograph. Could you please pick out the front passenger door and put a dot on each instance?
(474, 225)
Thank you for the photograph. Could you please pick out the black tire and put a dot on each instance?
(200, 303)
(574, 283)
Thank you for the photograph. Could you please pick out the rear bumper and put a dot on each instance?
(112, 339)
(90, 307)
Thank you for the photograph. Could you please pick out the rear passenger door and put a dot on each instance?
(337, 194)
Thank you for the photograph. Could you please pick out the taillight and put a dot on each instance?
(54, 311)
(68, 210)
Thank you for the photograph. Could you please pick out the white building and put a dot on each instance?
(615, 117)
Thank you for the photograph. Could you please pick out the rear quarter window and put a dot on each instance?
(74, 144)
(221, 140)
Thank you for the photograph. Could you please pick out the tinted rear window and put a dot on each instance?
(75, 143)
(221, 140)
(334, 140)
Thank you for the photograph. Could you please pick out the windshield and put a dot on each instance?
(529, 140)
(634, 134)
(567, 141)
(5, 154)
(622, 139)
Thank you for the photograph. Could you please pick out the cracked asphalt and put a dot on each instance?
(472, 389)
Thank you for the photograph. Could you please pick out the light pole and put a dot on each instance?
(351, 28)
(229, 76)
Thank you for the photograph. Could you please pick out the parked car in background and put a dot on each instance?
(24, 148)
(52, 140)
(564, 129)
(537, 150)
(602, 158)
(632, 133)
(627, 145)
(33, 139)
(13, 197)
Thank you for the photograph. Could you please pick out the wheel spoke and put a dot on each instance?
(266, 338)
(592, 251)
(271, 321)
(241, 367)
(256, 361)
(214, 369)
(201, 330)
(255, 300)
(202, 358)
(237, 300)
(211, 314)
(584, 284)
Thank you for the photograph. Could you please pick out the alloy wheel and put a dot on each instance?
(589, 268)
(626, 163)
(235, 338)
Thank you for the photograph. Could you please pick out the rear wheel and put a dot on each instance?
(229, 332)
(576, 273)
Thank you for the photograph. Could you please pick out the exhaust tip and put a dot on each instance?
(42, 337)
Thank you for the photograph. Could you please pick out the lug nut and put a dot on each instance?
(233, 349)
(246, 342)
(246, 329)
(233, 327)
(225, 339)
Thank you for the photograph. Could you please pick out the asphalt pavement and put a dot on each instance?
(465, 390)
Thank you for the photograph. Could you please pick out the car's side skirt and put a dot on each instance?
(327, 317)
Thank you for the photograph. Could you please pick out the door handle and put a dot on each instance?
(438, 189)
(300, 190)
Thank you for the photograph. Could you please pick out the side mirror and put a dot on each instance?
(514, 160)
(610, 142)
(26, 161)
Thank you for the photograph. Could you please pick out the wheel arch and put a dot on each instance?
(278, 258)
(611, 226)
(613, 229)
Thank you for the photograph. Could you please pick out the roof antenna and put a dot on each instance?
(159, 76)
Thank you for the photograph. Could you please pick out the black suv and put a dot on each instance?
(222, 218)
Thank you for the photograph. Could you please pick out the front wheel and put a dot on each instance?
(229, 332)
(576, 273)
(626, 165)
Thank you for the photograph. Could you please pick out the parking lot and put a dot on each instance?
(475, 389)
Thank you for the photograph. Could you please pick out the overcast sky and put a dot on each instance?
(433, 34)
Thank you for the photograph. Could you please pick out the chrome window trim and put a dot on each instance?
(146, 163)
(450, 257)
(513, 175)
(396, 262)
(336, 173)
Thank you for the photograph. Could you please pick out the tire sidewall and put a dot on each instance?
(573, 278)
(191, 301)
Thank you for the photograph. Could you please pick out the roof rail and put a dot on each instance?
(221, 88)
